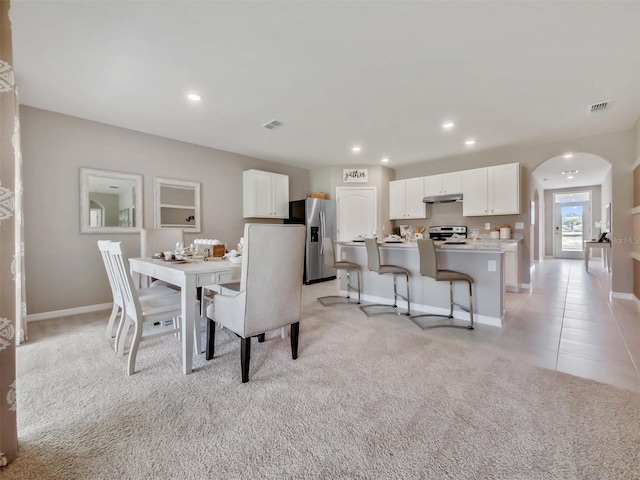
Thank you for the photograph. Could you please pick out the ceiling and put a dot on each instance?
(585, 168)
(381, 75)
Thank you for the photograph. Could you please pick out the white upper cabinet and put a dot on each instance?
(265, 194)
(447, 183)
(405, 199)
(491, 190)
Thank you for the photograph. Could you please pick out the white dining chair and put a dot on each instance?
(143, 311)
(118, 304)
(270, 295)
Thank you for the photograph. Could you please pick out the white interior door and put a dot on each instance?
(356, 212)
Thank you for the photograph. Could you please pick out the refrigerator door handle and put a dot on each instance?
(322, 229)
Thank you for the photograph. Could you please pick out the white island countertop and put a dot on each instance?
(481, 245)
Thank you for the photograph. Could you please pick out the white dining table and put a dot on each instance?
(187, 276)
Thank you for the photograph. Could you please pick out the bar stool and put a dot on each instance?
(331, 262)
(429, 268)
(373, 261)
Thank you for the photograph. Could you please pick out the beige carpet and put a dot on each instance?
(367, 398)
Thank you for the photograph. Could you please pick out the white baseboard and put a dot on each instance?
(525, 286)
(459, 314)
(69, 311)
(622, 295)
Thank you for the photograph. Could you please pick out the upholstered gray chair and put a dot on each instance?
(373, 263)
(429, 268)
(270, 295)
(331, 262)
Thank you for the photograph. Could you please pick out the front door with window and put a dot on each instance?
(572, 218)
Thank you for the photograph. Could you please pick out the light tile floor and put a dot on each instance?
(566, 322)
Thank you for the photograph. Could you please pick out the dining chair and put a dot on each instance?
(118, 303)
(270, 295)
(144, 313)
(429, 268)
(330, 261)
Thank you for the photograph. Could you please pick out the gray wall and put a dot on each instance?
(327, 179)
(63, 267)
(618, 148)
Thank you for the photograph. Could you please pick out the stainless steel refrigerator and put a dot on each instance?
(320, 218)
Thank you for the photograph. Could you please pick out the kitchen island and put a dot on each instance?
(483, 261)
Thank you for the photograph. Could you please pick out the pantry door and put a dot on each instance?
(356, 212)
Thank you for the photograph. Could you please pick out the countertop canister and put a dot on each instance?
(505, 233)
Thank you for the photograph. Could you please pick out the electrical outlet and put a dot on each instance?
(491, 266)
(487, 226)
(519, 225)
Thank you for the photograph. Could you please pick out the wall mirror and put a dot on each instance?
(177, 204)
(110, 202)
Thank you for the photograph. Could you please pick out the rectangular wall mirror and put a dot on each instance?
(177, 204)
(110, 202)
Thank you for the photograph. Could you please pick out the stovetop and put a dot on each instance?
(442, 232)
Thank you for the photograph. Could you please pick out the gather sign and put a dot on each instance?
(353, 175)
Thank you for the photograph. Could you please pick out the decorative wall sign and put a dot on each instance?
(355, 175)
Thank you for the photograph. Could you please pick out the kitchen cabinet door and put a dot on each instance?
(432, 185)
(504, 189)
(405, 199)
(475, 192)
(265, 194)
(451, 182)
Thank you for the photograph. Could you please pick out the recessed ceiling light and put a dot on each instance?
(355, 149)
(385, 160)
(569, 172)
(194, 97)
(569, 177)
(568, 155)
(448, 125)
(471, 141)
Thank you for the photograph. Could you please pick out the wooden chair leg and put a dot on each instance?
(295, 332)
(211, 338)
(245, 357)
(260, 338)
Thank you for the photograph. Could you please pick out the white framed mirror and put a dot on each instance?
(177, 204)
(110, 202)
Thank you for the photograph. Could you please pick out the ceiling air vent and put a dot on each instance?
(272, 124)
(598, 107)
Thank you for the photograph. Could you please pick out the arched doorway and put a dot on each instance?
(573, 194)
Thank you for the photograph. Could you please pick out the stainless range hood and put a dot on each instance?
(448, 198)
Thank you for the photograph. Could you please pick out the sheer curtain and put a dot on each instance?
(11, 250)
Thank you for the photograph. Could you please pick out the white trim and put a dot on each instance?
(635, 210)
(635, 164)
(622, 295)
(525, 286)
(459, 314)
(68, 311)
(549, 257)
(635, 256)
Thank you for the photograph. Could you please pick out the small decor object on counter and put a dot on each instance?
(320, 195)
(505, 232)
(494, 233)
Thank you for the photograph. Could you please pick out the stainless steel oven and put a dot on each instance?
(444, 232)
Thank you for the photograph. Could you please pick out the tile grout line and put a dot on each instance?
(564, 309)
